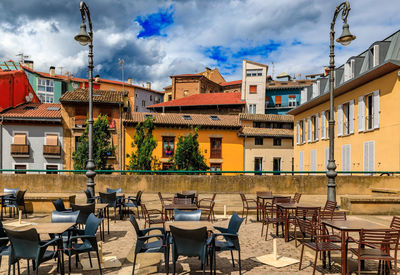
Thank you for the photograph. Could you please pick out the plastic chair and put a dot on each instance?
(84, 212)
(88, 244)
(89, 198)
(231, 242)
(180, 215)
(111, 200)
(134, 201)
(26, 245)
(144, 246)
(18, 202)
(60, 217)
(5, 200)
(191, 243)
(120, 199)
(59, 205)
(4, 246)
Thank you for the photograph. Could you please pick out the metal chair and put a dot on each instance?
(272, 214)
(330, 205)
(207, 205)
(231, 242)
(163, 200)
(395, 224)
(59, 205)
(180, 215)
(191, 196)
(296, 198)
(246, 205)
(310, 213)
(143, 245)
(152, 216)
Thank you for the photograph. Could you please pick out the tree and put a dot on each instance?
(188, 156)
(144, 143)
(102, 147)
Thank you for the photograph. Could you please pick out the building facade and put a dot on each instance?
(366, 114)
(254, 77)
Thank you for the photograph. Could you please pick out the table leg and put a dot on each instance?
(343, 252)
(286, 225)
(258, 204)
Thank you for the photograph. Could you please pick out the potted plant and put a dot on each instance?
(168, 150)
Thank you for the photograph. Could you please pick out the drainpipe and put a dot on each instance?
(121, 147)
(244, 153)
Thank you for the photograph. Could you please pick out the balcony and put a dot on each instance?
(20, 150)
(216, 153)
(79, 122)
(52, 150)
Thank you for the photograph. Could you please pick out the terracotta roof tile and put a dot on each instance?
(99, 96)
(266, 117)
(236, 82)
(203, 99)
(195, 119)
(34, 110)
(265, 132)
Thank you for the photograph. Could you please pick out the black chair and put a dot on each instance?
(88, 244)
(89, 198)
(59, 205)
(231, 237)
(120, 199)
(11, 193)
(4, 245)
(135, 201)
(27, 245)
(180, 215)
(84, 212)
(187, 196)
(144, 246)
(65, 217)
(191, 243)
(18, 202)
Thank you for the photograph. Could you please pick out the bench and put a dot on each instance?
(42, 202)
(371, 205)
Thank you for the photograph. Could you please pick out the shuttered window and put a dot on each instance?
(326, 158)
(278, 100)
(323, 125)
(351, 117)
(313, 160)
(346, 157)
(253, 89)
(20, 138)
(298, 132)
(340, 121)
(52, 139)
(375, 109)
(301, 161)
(369, 156)
(309, 129)
(361, 114)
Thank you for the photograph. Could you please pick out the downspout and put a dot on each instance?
(244, 153)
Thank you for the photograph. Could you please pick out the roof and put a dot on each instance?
(266, 117)
(36, 111)
(236, 82)
(203, 100)
(185, 75)
(195, 119)
(99, 96)
(288, 84)
(256, 63)
(265, 132)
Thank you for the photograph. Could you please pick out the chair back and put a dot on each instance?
(213, 197)
(139, 198)
(118, 190)
(182, 201)
(339, 215)
(330, 205)
(20, 200)
(395, 224)
(264, 193)
(307, 228)
(24, 244)
(11, 191)
(188, 196)
(281, 200)
(307, 213)
(383, 238)
(189, 242)
(109, 198)
(135, 225)
(59, 205)
(89, 198)
(60, 217)
(234, 223)
(161, 199)
(296, 198)
(84, 212)
(180, 215)
(92, 224)
(3, 234)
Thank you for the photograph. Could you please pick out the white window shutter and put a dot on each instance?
(323, 125)
(309, 130)
(298, 132)
(375, 109)
(316, 126)
(353, 68)
(313, 160)
(361, 114)
(344, 163)
(340, 121)
(301, 161)
(351, 116)
(366, 156)
(326, 158)
(376, 56)
(304, 130)
(371, 152)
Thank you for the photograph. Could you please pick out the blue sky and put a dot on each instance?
(159, 38)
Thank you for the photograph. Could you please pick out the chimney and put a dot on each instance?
(29, 64)
(52, 71)
(148, 85)
(96, 78)
(130, 80)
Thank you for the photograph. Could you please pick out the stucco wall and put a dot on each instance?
(141, 95)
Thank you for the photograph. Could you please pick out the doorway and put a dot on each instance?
(277, 166)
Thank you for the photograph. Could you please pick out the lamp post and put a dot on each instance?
(84, 39)
(345, 39)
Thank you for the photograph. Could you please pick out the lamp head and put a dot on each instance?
(83, 37)
(346, 37)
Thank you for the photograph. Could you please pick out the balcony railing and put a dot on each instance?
(216, 153)
(52, 150)
(19, 149)
(79, 122)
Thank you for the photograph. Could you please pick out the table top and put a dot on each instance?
(189, 224)
(44, 228)
(293, 205)
(181, 206)
(118, 194)
(269, 196)
(353, 225)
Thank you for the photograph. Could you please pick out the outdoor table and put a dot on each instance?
(189, 225)
(264, 196)
(285, 208)
(349, 226)
(171, 207)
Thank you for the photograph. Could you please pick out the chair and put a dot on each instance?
(88, 244)
(330, 205)
(313, 240)
(84, 212)
(144, 246)
(118, 190)
(152, 216)
(296, 198)
(18, 202)
(4, 244)
(163, 200)
(191, 196)
(272, 214)
(89, 198)
(134, 201)
(26, 244)
(310, 213)
(5, 202)
(191, 243)
(60, 217)
(111, 200)
(231, 237)
(120, 199)
(246, 205)
(207, 206)
(395, 224)
(182, 200)
(180, 215)
(375, 244)
(329, 215)
(59, 205)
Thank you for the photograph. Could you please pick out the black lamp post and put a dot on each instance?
(84, 39)
(345, 39)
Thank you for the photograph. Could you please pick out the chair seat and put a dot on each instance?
(372, 253)
(130, 204)
(152, 246)
(224, 245)
(324, 246)
(156, 221)
(251, 207)
(274, 220)
(48, 255)
(81, 247)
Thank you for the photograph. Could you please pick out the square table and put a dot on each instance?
(171, 207)
(349, 226)
(265, 196)
(189, 225)
(44, 228)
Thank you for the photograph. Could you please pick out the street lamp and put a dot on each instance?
(345, 39)
(84, 39)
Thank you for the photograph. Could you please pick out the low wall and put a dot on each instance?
(311, 185)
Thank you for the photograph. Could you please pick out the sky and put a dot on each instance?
(159, 38)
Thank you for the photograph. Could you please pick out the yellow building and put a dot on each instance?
(218, 137)
(367, 122)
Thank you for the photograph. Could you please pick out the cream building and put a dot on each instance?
(253, 86)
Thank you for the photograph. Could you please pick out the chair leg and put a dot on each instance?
(301, 256)
(266, 232)
(134, 263)
(315, 261)
(240, 264)
(99, 262)
(233, 261)
(359, 266)
(19, 271)
(27, 263)
(262, 228)
(90, 259)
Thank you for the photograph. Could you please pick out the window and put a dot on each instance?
(313, 160)
(215, 148)
(51, 167)
(258, 141)
(370, 112)
(168, 147)
(216, 118)
(20, 138)
(346, 122)
(292, 101)
(253, 89)
(277, 142)
(20, 167)
(258, 165)
(169, 97)
(276, 166)
(278, 101)
(157, 99)
(252, 108)
(136, 108)
(143, 103)
(77, 142)
(215, 167)
(349, 70)
(375, 55)
(302, 132)
(187, 117)
(52, 139)
(45, 90)
(254, 72)
(314, 121)
(151, 98)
